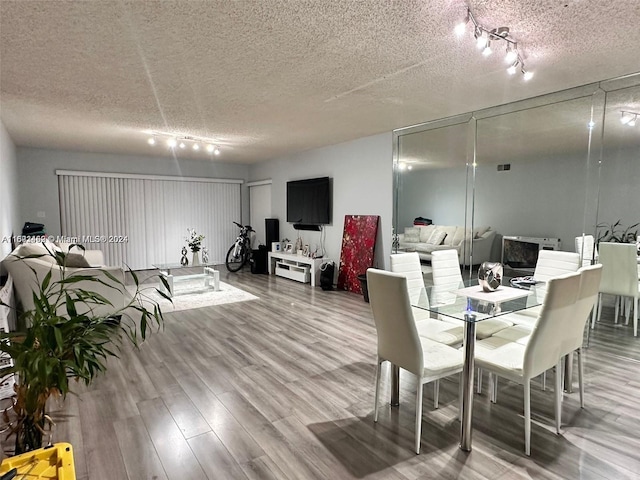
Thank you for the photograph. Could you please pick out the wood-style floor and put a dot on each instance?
(282, 388)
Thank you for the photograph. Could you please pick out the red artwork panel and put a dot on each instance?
(358, 245)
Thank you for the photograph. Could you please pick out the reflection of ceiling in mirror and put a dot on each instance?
(559, 129)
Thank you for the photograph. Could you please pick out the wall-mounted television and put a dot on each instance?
(309, 202)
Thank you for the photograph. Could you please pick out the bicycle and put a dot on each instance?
(240, 252)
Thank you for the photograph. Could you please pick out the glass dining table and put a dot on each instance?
(468, 303)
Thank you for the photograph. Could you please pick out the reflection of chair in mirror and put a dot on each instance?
(408, 264)
(399, 342)
(551, 339)
(585, 247)
(619, 277)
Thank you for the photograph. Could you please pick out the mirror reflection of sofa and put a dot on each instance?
(426, 239)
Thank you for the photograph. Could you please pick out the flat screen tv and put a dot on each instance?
(309, 201)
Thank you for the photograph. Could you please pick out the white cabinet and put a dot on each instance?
(295, 267)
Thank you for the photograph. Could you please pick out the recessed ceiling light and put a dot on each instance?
(210, 148)
(172, 142)
(196, 147)
(182, 145)
(216, 151)
(151, 141)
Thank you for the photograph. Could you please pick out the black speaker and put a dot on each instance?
(272, 231)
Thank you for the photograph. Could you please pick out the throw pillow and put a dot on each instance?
(480, 231)
(436, 237)
(75, 260)
(411, 238)
(411, 231)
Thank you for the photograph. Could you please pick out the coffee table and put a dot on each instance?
(208, 274)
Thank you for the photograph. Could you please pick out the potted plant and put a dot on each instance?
(616, 232)
(57, 343)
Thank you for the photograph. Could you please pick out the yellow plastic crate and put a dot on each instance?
(54, 462)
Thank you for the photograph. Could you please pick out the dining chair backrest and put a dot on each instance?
(552, 263)
(585, 247)
(588, 294)
(446, 268)
(398, 340)
(408, 264)
(619, 269)
(549, 336)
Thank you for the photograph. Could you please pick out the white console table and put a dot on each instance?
(295, 267)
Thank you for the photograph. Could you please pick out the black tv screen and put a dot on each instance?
(309, 201)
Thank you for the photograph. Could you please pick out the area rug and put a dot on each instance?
(193, 294)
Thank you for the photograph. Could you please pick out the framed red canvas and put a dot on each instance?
(358, 246)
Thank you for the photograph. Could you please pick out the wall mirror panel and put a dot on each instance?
(531, 173)
(554, 166)
(619, 181)
(431, 183)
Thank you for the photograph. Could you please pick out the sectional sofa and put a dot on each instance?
(426, 239)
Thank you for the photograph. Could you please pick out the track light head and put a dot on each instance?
(486, 51)
(626, 118)
(527, 75)
(513, 68)
(632, 122)
(216, 151)
(460, 28)
(512, 54)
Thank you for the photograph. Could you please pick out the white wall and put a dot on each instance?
(362, 185)
(9, 223)
(38, 183)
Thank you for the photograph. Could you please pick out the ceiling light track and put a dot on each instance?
(175, 141)
(485, 37)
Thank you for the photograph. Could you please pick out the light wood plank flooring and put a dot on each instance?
(282, 388)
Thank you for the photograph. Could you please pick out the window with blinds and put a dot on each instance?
(138, 221)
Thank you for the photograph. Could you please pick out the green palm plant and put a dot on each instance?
(62, 340)
(616, 232)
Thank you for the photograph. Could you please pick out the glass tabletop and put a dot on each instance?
(175, 266)
(466, 301)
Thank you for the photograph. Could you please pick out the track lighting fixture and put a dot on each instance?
(183, 141)
(629, 118)
(485, 36)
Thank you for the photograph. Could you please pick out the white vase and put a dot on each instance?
(195, 261)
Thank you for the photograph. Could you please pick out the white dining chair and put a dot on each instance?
(586, 248)
(619, 277)
(550, 264)
(399, 342)
(544, 350)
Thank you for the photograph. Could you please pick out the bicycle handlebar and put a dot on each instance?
(248, 227)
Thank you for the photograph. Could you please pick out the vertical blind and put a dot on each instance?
(139, 221)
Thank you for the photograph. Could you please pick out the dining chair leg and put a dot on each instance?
(418, 415)
(495, 389)
(616, 313)
(558, 396)
(599, 307)
(527, 417)
(479, 384)
(635, 317)
(581, 377)
(377, 395)
(627, 311)
(594, 312)
(544, 381)
(436, 393)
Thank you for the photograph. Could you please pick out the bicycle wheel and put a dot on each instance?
(236, 262)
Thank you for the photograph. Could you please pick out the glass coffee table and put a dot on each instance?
(208, 274)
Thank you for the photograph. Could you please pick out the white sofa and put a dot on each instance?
(28, 273)
(418, 237)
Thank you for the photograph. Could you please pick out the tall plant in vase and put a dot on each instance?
(194, 240)
(62, 339)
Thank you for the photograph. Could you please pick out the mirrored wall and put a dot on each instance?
(553, 167)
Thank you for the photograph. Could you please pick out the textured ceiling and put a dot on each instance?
(267, 78)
